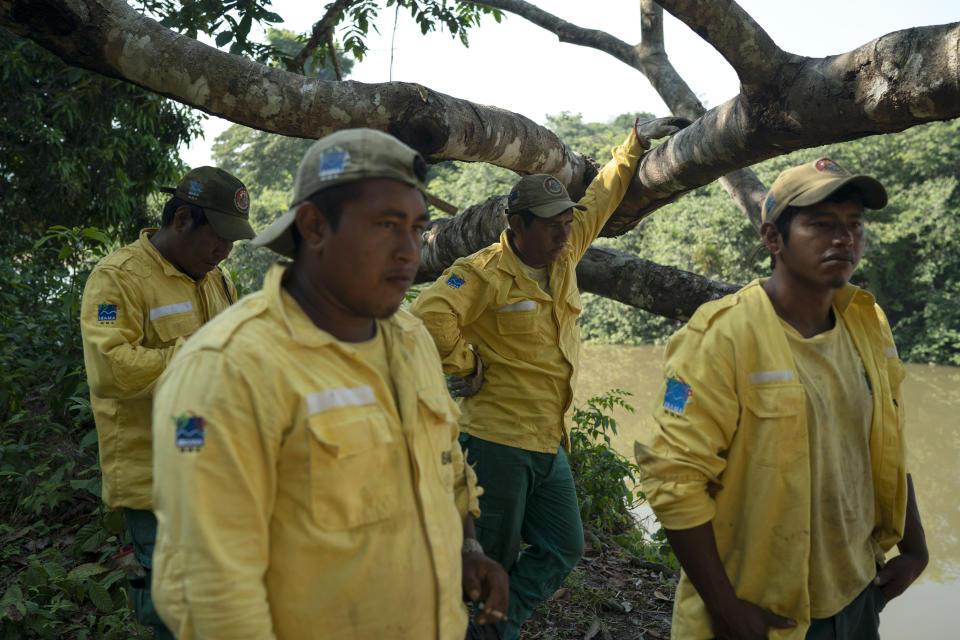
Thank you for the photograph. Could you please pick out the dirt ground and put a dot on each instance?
(610, 595)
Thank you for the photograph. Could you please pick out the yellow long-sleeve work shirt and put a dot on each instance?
(730, 446)
(296, 498)
(528, 340)
(137, 310)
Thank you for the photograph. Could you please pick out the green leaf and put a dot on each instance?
(99, 596)
(224, 37)
(86, 570)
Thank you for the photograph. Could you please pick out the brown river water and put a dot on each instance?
(930, 609)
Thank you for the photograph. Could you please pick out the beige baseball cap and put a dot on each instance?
(541, 194)
(223, 198)
(340, 158)
(813, 182)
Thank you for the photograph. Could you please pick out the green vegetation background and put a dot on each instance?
(80, 159)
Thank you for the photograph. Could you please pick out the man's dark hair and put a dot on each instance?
(197, 216)
(846, 193)
(330, 203)
(526, 216)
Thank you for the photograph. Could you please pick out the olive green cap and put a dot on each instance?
(340, 158)
(542, 195)
(813, 182)
(223, 198)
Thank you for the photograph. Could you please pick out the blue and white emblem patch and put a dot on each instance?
(455, 281)
(190, 432)
(196, 188)
(332, 163)
(677, 395)
(106, 312)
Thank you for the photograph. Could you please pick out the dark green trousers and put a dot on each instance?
(142, 527)
(859, 620)
(529, 497)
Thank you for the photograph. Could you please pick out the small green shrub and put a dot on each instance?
(599, 471)
(604, 479)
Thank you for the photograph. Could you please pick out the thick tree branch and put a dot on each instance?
(109, 37)
(665, 291)
(649, 58)
(899, 80)
(323, 34)
(734, 34)
(894, 82)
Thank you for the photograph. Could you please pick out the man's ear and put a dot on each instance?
(182, 220)
(313, 227)
(772, 239)
(515, 222)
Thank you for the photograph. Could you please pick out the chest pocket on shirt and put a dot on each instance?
(351, 454)
(171, 324)
(439, 421)
(517, 318)
(778, 437)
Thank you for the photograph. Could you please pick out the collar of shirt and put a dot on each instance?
(510, 263)
(301, 327)
(168, 269)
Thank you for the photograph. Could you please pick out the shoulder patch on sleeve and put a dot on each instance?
(107, 312)
(190, 433)
(677, 395)
(455, 281)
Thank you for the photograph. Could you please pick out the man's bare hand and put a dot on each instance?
(485, 581)
(466, 386)
(742, 620)
(898, 574)
(657, 128)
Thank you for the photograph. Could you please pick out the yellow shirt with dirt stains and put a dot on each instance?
(839, 412)
(137, 310)
(731, 446)
(295, 497)
(527, 338)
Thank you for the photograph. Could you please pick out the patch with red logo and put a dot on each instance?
(241, 199)
(826, 165)
(553, 186)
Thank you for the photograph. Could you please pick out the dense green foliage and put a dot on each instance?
(231, 23)
(57, 578)
(78, 153)
(78, 149)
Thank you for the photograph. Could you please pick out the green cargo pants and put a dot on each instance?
(527, 496)
(859, 620)
(142, 527)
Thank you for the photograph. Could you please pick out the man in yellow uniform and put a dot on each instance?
(778, 464)
(308, 478)
(505, 323)
(139, 305)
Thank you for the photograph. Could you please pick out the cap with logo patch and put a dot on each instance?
(340, 158)
(542, 195)
(813, 182)
(223, 198)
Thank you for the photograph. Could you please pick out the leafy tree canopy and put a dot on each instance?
(231, 23)
(79, 149)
